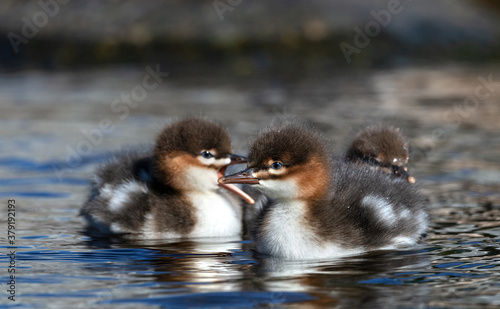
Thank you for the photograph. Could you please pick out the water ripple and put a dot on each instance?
(4, 182)
(11, 194)
(220, 300)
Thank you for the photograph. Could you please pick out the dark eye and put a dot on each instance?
(207, 154)
(276, 165)
(396, 171)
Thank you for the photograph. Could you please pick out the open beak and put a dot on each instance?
(240, 177)
(235, 159)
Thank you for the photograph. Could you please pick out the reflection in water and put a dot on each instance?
(199, 264)
(203, 273)
(460, 257)
(458, 267)
(457, 259)
(338, 282)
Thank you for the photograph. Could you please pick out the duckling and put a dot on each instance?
(170, 191)
(324, 207)
(384, 148)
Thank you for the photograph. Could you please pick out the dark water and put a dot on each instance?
(58, 267)
(458, 267)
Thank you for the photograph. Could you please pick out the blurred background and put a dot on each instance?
(245, 38)
(81, 78)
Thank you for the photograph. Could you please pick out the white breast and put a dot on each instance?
(217, 215)
(286, 234)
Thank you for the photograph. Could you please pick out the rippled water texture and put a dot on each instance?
(47, 116)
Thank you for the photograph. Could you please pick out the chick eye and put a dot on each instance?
(207, 154)
(276, 165)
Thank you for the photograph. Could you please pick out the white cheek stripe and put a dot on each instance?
(223, 161)
(205, 161)
(277, 172)
(213, 161)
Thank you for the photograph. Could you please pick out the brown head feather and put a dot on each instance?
(184, 138)
(382, 143)
(289, 141)
(302, 151)
(192, 135)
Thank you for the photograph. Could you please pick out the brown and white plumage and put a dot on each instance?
(168, 191)
(384, 148)
(322, 207)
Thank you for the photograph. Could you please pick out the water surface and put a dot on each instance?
(58, 267)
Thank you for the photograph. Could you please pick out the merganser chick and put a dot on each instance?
(384, 148)
(321, 207)
(170, 191)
